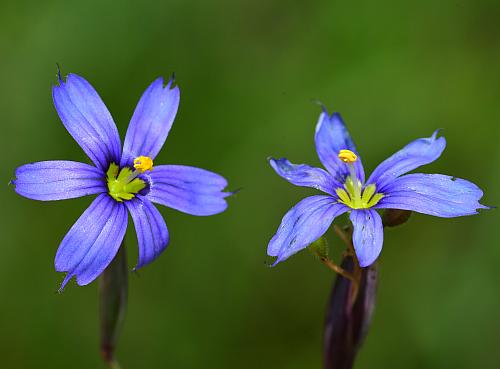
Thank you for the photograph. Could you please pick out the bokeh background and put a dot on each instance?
(250, 74)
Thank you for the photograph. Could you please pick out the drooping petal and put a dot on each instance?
(151, 122)
(58, 180)
(415, 154)
(368, 235)
(93, 241)
(303, 224)
(88, 120)
(188, 189)
(331, 137)
(433, 194)
(305, 175)
(152, 233)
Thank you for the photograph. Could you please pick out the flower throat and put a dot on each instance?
(353, 194)
(124, 184)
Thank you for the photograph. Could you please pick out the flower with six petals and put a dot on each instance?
(122, 179)
(388, 187)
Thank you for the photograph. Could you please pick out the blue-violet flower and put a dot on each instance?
(388, 187)
(123, 180)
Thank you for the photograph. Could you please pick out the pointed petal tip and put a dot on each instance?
(485, 207)
(234, 192)
(59, 77)
(280, 257)
(138, 266)
(272, 264)
(321, 104)
(171, 84)
(436, 133)
(144, 263)
(325, 113)
(172, 78)
(63, 80)
(67, 278)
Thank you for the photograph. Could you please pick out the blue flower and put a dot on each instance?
(122, 180)
(389, 187)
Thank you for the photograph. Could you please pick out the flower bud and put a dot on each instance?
(319, 248)
(395, 217)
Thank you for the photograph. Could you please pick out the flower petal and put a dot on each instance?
(303, 224)
(88, 120)
(415, 154)
(152, 233)
(433, 194)
(305, 175)
(58, 180)
(151, 122)
(188, 189)
(331, 137)
(93, 241)
(368, 235)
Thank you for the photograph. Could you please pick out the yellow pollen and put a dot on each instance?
(143, 163)
(347, 156)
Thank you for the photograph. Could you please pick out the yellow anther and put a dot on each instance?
(143, 163)
(347, 156)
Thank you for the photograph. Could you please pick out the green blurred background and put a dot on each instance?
(249, 73)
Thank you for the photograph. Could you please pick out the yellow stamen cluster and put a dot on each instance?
(122, 185)
(353, 193)
(347, 156)
(143, 163)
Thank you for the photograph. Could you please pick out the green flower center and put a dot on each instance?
(354, 196)
(123, 184)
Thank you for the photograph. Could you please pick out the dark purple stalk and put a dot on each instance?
(349, 315)
(113, 289)
(350, 309)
